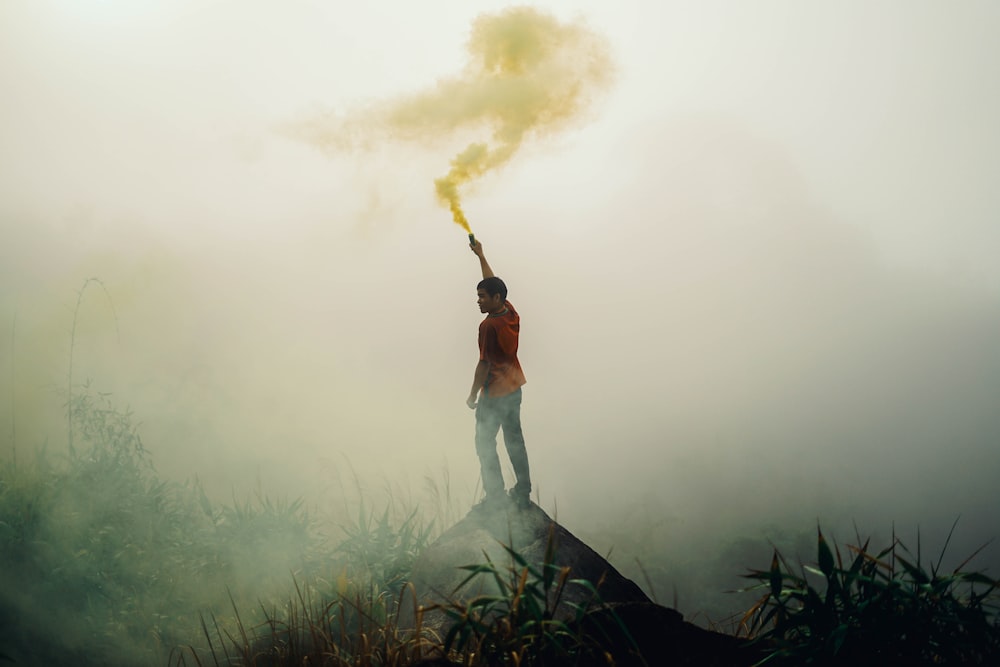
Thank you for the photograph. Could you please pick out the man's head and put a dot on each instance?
(492, 293)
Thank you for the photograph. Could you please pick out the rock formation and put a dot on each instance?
(656, 635)
(484, 535)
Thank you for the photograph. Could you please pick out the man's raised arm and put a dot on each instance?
(477, 248)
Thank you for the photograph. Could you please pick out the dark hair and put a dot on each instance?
(493, 286)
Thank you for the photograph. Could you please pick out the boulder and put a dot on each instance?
(628, 624)
(483, 536)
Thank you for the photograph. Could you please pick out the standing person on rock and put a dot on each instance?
(496, 391)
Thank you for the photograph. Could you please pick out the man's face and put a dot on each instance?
(487, 303)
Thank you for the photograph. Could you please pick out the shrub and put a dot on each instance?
(349, 619)
(518, 625)
(884, 608)
(102, 562)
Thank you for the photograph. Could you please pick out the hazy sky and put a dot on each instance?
(758, 274)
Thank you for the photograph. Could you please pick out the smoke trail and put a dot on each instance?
(527, 74)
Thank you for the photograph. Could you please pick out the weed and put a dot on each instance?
(349, 619)
(95, 544)
(519, 625)
(882, 608)
(70, 407)
(381, 554)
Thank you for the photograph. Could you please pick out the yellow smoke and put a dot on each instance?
(528, 74)
(466, 165)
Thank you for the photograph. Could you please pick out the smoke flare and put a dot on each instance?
(527, 74)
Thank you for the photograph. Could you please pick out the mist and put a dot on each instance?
(756, 280)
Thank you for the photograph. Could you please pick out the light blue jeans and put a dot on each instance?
(492, 414)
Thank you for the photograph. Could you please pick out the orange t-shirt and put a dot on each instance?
(498, 346)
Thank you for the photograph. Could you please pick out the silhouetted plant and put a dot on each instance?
(518, 624)
(350, 619)
(883, 608)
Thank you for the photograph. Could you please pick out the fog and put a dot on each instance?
(757, 278)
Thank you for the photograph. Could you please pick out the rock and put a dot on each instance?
(482, 535)
(656, 635)
(660, 636)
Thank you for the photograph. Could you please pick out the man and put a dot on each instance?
(496, 391)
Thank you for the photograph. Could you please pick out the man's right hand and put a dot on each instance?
(471, 401)
(476, 248)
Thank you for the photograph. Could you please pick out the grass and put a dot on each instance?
(518, 625)
(360, 627)
(104, 563)
(882, 607)
(312, 631)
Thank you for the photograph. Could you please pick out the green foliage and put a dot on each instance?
(338, 632)
(119, 561)
(104, 563)
(379, 554)
(111, 436)
(883, 608)
(349, 620)
(518, 624)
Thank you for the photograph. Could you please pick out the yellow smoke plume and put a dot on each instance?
(528, 74)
